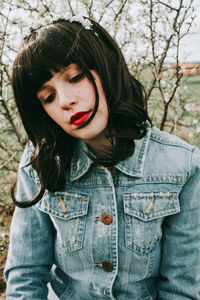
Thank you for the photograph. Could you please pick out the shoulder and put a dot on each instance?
(170, 140)
(26, 156)
(169, 152)
(25, 166)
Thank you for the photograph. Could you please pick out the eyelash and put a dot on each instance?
(49, 98)
(77, 78)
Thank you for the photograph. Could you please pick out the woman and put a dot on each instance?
(108, 206)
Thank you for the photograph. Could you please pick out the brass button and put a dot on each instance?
(106, 219)
(108, 267)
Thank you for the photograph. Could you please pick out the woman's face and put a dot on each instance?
(69, 99)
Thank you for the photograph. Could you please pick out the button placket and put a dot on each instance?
(105, 258)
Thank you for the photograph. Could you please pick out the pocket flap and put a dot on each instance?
(64, 205)
(149, 206)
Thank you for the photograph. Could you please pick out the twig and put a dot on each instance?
(70, 7)
(167, 5)
(6, 162)
(120, 11)
(90, 9)
(109, 3)
(4, 33)
(166, 105)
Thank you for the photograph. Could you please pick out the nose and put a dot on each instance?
(67, 98)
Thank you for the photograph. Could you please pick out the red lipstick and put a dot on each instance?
(79, 118)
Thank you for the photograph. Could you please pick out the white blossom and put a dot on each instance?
(165, 73)
(195, 122)
(86, 23)
(198, 130)
(47, 20)
(80, 19)
(188, 107)
(3, 234)
(190, 135)
(162, 82)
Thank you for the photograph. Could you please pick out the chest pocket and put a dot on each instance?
(144, 215)
(68, 214)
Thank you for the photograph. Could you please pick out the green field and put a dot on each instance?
(193, 83)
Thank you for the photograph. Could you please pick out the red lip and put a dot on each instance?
(79, 117)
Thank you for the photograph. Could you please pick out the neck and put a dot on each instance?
(99, 147)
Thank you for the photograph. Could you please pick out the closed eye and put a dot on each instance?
(49, 98)
(77, 78)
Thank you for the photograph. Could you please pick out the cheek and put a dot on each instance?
(87, 93)
(53, 112)
(103, 103)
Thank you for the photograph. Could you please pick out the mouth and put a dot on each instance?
(79, 118)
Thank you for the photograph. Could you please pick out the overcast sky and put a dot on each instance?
(190, 47)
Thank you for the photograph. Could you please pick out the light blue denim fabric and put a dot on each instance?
(153, 241)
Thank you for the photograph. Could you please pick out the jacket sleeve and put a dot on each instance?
(30, 254)
(180, 263)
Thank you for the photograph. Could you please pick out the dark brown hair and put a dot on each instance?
(50, 48)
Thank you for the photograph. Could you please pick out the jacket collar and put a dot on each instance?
(132, 166)
(80, 163)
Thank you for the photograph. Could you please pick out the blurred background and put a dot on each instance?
(161, 44)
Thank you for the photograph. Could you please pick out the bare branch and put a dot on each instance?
(108, 4)
(120, 11)
(166, 106)
(158, 65)
(167, 5)
(4, 34)
(70, 7)
(8, 116)
(10, 158)
(90, 8)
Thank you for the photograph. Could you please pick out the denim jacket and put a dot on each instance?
(132, 232)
